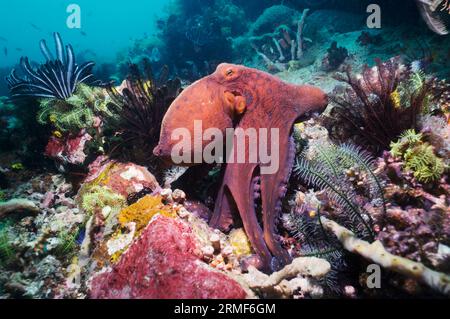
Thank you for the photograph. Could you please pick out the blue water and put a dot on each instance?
(107, 26)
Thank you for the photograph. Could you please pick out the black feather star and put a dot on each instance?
(141, 106)
(57, 78)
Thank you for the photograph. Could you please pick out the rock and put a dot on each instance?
(18, 205)
(215, 242)
(69, 150)
(179, 196)
(165, 262)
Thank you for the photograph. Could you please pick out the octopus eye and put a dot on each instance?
(229, 72)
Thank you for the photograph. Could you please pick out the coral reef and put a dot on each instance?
(341, 172)
(38, 237)
(91, 208)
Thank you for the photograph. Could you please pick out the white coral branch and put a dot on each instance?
(299, 275)
(376, 253)
(301, 25)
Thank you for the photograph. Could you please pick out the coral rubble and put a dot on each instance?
(91, 205)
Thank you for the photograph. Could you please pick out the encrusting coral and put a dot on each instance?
(143, 211)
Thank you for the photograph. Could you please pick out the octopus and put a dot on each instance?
(235, 96)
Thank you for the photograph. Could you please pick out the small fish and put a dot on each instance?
(35, 27)
(19, 49)
(84, 34)
(5, 50)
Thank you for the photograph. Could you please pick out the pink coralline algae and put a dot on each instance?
(69, 150)
(122, 178)
(164, 263)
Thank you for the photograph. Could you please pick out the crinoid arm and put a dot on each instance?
(56, 78)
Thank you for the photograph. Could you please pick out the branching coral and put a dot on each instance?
(335, 57)
(57, 78)
(283, 43)
(142, 105)
(347, 174)
(378, 107)
(302, 274)
(419, 157)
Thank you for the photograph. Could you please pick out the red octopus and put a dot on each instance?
(239, 97)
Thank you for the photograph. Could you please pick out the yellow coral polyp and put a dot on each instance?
(57, 134)
(53, 118)
(143, 211)
(395, 98)
(240, 243)
(300, 127)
